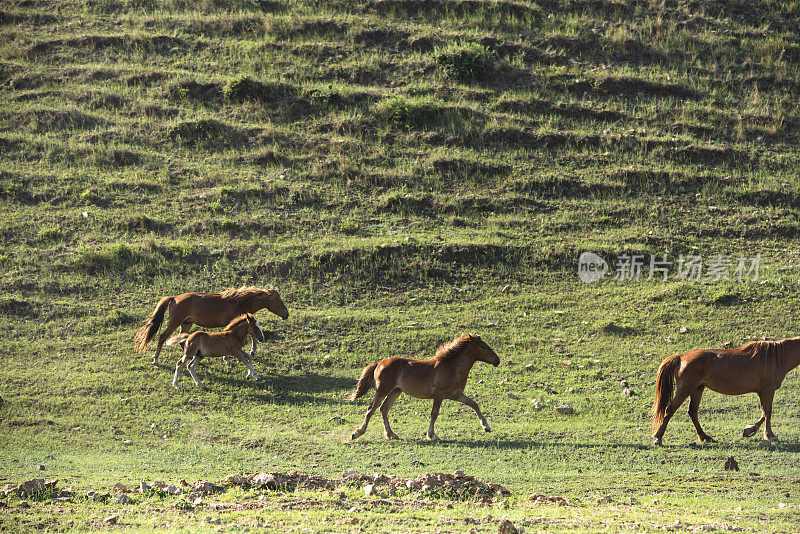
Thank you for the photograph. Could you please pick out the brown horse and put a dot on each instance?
(200, 344)
(442, 377)
(757, 367)
(209, 310)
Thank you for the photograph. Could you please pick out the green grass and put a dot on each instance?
(403, 171)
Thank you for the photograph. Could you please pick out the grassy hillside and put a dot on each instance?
(403, 171)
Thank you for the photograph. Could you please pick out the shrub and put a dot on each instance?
(466, 62)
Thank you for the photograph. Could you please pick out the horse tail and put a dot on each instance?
(665, 385)
(177, 340)
(149, 329)
(365, 382)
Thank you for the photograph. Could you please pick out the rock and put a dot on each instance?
(123, 498)
(236, 480)
(172, 489)
(634, 501)
(682, 330)
(565, 409)
(536, 404)
(369, 490)
(605, 499)
(111, 520)
(530, 367)
(205, 487)
(349, 473)
(144, 487)
(40, 467)
(119, 487)
(502, 490)
(731, 464)
(198, 501)
(627, 392)
(213, 520)
(549, 390)
(507, 527)
(267, 480)
(459, 474)
(623, 383)
(569, 390)
(425, 487)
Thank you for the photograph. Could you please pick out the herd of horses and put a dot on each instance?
(757, 367)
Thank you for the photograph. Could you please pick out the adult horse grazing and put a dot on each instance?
(442, 377)
(201, 344)
(209, 310)
(757, 367)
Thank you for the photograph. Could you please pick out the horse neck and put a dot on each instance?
(790, 354)
(463, 363)
(240, 330)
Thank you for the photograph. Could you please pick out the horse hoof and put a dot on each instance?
(392, 436)
(748, 432)
(432, 437)
(487, 429)
(657, 442)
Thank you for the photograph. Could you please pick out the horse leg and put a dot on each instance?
(431, 435)
(178, 368)
(244, 358)
(385, 407)
(173, 324)
(474, 405)
(694, 405)
(191, 368)
(752, 429)
(766, 409)
(681, 395)
(379, 396)
(253, 347)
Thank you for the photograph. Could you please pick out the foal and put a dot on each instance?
(200, 344)
(442, 377)
(209, 310)
(757, 367)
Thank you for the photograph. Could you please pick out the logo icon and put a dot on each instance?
(591, 267)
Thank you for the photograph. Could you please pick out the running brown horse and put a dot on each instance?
(201, 344)
(442, 377)
(209, 310)
(757, 367)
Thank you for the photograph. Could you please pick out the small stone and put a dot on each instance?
(24, 504)
(111, 520)
(565, 409)
(570, 390)
(623, 383)
(349, 473)
(144, 487)
(119, 487)
(627, 392)
(530, 367)
(369, 489)
(198, 501)
(536, 404)
(682, 330)
(172, 489)
(507, 527)
(40, 467)
(781, 505)
(604, 499)
(123, 498)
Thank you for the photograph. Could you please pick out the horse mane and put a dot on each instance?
(245, 295)
(448, 351)
(236, 320)
(767, 351)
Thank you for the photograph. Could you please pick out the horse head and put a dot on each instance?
(254, 328)
(482, 351)
(273, 302)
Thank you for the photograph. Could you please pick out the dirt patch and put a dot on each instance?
(458, 167)
(630, 87)
(208, 133)
(14, 18)
(93, 43)
(53, 119)
(571, 111)
(203, 92)
(19, 308)
(444, 8)
(381, 37)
